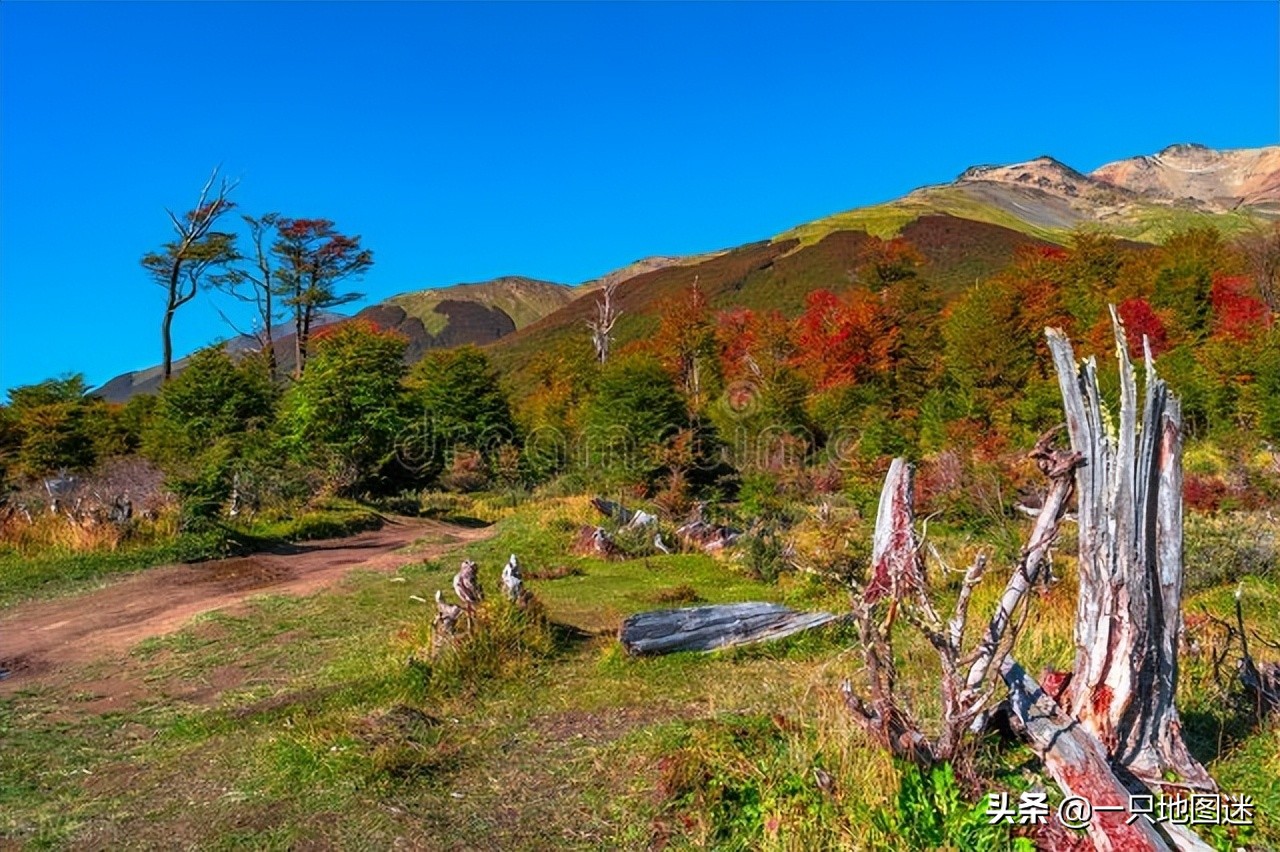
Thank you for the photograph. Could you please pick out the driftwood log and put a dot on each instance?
(706, 628)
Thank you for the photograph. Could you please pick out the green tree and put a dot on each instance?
(49, 426)
(988, 349)
(458, 403)
(1188, 261)
(201, 423)
(636, 408)
(346, 413)
(1093, 269)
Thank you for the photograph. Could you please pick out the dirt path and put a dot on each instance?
(42, 636)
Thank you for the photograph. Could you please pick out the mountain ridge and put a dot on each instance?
(1139, 198)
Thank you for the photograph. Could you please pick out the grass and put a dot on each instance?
(300, 721)
(43, 571)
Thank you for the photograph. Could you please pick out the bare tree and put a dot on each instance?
(1109, 729)
(1261, 249)
(180, 265)
(602, 326)
(1128, 613)
(258, 273)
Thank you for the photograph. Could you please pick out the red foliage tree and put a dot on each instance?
(313, 258)
(1237, 313)
(885, 262)
(686, 342)
(1139, 320)
(844, 340)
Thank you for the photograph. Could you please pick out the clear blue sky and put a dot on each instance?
(556, 141)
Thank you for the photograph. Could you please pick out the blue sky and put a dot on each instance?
(556, 141)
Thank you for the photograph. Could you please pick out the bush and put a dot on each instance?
(930, 813)
(199, 425)
(1223, 549)
(458, 409)
(635, 410)
(346, 413)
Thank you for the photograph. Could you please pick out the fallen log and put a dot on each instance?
(1079, 763)
(705, 628)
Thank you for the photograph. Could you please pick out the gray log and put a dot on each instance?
(1079, 763)
(705, 628)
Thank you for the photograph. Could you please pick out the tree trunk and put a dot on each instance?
(1128, 614)
(166, 332)
(1077, 761)
(705, 628)
(268, 333)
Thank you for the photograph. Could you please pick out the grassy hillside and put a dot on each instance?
(1026, 211)
(525, 300)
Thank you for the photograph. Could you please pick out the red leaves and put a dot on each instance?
(844, 341)
(1139, 320)
(1237, 313)
(210, 211)
(304, 229)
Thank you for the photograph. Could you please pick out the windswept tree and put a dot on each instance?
(313, 258)
(179, 266)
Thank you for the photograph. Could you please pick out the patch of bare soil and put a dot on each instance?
(42, 637)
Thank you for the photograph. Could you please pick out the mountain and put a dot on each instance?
(965, 230)
(1219, 181)
(1141, 199)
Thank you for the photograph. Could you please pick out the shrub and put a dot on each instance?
(1225, 548)
(930, 813)
(458, 405)
(345, 414)
(502, 641)
(635, 410)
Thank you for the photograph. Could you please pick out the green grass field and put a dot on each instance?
(302, 723)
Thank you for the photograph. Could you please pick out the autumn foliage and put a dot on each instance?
(1237, 313)
(843, 340)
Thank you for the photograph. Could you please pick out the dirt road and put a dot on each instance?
(42, 636)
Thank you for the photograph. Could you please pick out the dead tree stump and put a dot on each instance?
(1128, 613)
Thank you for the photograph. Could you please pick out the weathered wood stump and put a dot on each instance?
(1129, 610)
(705, 628)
